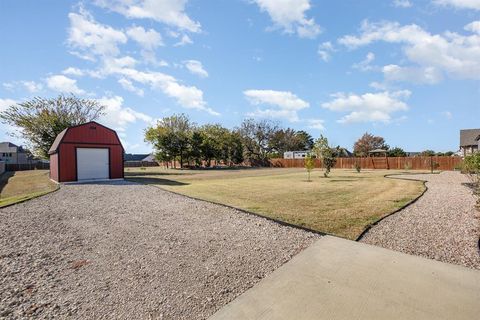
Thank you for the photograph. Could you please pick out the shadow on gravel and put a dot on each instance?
(156, 181)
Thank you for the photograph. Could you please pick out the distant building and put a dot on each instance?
(134, 157)
(296, 154)
(469, 141)
(12, 154)
(149, 158)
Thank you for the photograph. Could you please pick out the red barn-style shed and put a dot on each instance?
(89, 151)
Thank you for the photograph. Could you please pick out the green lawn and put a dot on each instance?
(343, 204)
(23, 185)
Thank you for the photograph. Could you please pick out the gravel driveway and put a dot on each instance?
(442, 225)
(127, 251)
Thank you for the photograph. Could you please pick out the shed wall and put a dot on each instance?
(54, 166)
(68, 161)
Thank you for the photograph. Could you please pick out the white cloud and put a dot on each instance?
(316, 124)
(473, 27)
(189, 97)
(72, 71)
(5, 103)
(324, 50)
(196, 67)
(289, 15)
(402, 3)
(365, 65)
(461, 4)
(419, 75)
(63, 84)
(285, 104)
(184, 40)
(450, 53)
(93, 38)
(128, 85)
(369, 107)
(101, 42)
(447, 114)
(30, 86)
(170, 12)
(119, 117)
(148, 39)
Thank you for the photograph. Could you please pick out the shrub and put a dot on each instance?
(472, 169)
(407, 165)
(143, 168)
(309, 164)
(357, 167)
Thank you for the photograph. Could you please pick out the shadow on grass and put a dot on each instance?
(4, 179)
(156, 181)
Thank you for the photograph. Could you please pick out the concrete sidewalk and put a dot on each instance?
(341, 279)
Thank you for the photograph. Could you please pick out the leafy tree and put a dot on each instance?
(196, 143)
(428, 153)
(396, 152)
(42, 119)
(368, 142)
(171, 137)
(235, 148)
(256, 139)
(326, 153)
(309, 165)
(305, 140)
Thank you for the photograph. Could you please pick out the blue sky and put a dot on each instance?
(403, 69)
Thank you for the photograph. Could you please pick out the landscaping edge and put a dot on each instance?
(30, 196)
(395, 176)
(283, 223)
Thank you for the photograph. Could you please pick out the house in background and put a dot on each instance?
(12, 154)
(469, 141)
(134, 157)
(296, 154)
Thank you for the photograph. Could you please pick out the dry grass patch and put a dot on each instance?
(23, 185)
(344, 204)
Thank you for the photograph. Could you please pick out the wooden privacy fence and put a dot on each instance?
(393, 163)
(27, 166)
(129, 164)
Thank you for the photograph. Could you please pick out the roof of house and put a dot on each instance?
(468, 137)
(134, 157)
(10, 147)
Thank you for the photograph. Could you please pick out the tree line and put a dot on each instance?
(177, 138)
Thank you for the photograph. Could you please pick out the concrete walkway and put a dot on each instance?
(340, 279)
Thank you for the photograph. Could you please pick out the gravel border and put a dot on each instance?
(122, 250)
(443, 224)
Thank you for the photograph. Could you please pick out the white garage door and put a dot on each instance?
(92, 163)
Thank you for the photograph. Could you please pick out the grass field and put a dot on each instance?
(343, 204)
(23, 185)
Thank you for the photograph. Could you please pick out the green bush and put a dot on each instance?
(357, 167)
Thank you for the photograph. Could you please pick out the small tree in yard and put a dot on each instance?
(309, 165)
(326, 153)
(472, 169)
(40, 120)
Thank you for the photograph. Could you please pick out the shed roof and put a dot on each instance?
(61, 135)
(57, 141)
(468, 137)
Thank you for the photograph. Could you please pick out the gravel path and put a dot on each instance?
(127, 251)
(442, 225)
